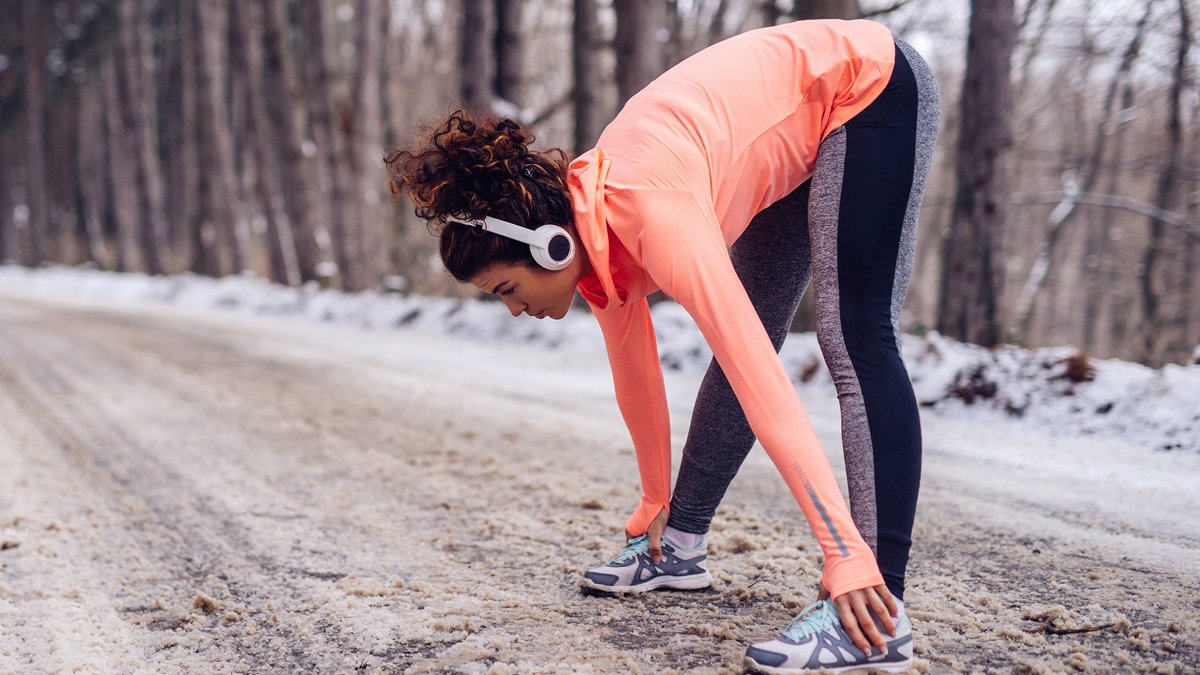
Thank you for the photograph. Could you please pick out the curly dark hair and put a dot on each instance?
(473, 165)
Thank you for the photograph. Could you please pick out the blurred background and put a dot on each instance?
(245, 137)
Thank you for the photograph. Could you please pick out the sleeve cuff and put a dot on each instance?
(645, 514)
(845, 576)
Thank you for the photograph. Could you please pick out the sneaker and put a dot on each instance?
(632, 571)
(815, 639)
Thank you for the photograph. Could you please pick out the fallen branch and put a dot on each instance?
(1114, 202)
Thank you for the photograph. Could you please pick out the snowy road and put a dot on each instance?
(193, 490)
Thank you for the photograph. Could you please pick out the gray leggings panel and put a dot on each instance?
(719, 437)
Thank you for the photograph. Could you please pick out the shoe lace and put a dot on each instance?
(817, 616)
(632, 548)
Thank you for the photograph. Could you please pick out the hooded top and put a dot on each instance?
(672, 182)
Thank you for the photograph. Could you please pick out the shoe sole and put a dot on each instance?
(677, 583)
(895, 667)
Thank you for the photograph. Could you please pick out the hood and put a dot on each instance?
(585, 181)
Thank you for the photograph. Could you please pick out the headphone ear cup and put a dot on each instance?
(558, 250)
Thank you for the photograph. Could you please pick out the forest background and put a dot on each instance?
(246, 137)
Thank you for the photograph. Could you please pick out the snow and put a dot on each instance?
(1156, 410)
(227, 476)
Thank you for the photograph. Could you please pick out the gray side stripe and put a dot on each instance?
(928, 114)
(824, 206)
(828, 523)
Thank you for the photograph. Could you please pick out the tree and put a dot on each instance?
(639, 53)
(245, 61)
(826, 9)
(1062, 214)
(118, 173)
(1165, 327)
(34, 30)
(589, 121)
(972, 272)
(331, 179)
(364, 128)
(477, 53)
(134, 99)
(278, 81)
(217, 247)
(510, 46)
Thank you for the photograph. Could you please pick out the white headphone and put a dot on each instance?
(550, 245)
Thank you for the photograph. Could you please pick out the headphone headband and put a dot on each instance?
(550, 245)
(502, 228)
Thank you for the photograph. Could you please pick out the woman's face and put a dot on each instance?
(531, 289)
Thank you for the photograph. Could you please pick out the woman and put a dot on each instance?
(804, 147)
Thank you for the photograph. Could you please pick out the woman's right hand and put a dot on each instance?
(855, 609)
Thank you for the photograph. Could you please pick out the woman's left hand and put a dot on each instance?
(655, 531)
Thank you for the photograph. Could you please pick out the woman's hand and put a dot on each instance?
(853, 608)
(655, 531)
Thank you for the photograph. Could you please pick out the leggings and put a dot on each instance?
(852, 229)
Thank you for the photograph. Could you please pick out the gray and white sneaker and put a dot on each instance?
(632, 571)
(815, 639)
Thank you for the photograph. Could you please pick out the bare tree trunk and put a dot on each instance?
(137, 124)
(1162, 337)
(34, 22)
(510, 49)
(589, 121)
(477, 53)
(365, 142)
(119, 171)
(285, 138)
(245, 64)
(217, 149)
(1191, 289)
(1103, 294)
(1191, 254)
(331, 178)
(639, 53)
(188, 181)
(972, 273)
(716, 27)
(91, 170)
(5, 200)
(826, 9)
(771, 12)
(175, 116)
(213, 211)
(60, 142)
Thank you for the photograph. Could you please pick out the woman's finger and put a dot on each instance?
(867, 623)
(655, 545)
(889, 600)
(881, 611)
(850, 623)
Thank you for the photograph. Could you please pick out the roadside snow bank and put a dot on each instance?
(1058, 390)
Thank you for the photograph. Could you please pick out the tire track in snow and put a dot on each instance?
(191, 538)
(430, 463)
(203, 543)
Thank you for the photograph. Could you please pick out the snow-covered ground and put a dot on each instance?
(1053, 390)
(381, 484)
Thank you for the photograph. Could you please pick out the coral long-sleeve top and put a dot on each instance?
(672, 182)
